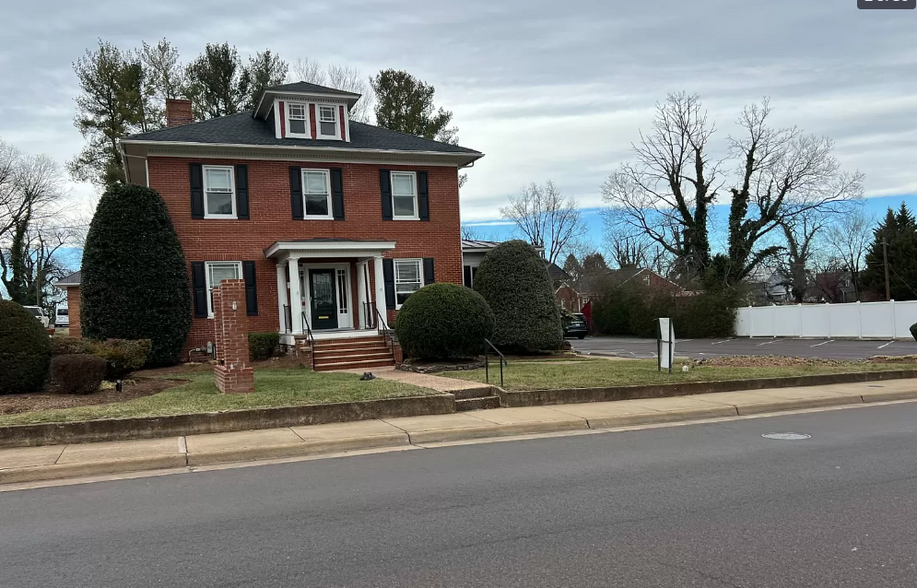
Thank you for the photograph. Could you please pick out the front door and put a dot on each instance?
(324, 306)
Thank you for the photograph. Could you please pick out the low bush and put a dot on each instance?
(69, 346)
(76, 373)
(122, 356)
(25, 350)
(634, 311)
(262, 346)
(443, 321)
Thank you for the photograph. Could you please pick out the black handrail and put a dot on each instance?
(487, 347)
(382, 329)
(307, 330)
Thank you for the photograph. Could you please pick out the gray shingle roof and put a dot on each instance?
(308, 88)
(73, 278)
(243, 129)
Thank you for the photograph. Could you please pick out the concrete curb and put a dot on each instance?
(221, 422)
(613, 393)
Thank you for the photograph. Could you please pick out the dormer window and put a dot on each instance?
(327, 122)
(297, 120)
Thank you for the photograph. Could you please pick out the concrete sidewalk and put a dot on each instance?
(33, 464)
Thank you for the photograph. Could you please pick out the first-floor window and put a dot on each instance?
(408, 279)
(316, 189)
(217, 271)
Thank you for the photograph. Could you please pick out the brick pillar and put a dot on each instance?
(398, 354)
(233, 372)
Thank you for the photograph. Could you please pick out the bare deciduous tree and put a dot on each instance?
(341, 77)
(546, 217)
(848, 239)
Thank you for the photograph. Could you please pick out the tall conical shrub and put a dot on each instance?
(134, 280)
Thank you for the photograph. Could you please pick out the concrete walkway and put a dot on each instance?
(433, 382)
(80, 460)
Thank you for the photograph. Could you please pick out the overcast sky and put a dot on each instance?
(547, 90)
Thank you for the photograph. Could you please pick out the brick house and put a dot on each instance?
(331, 223)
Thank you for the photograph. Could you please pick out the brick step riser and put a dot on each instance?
(354, 351)
(354, 366)
(477, 403)
(352, 358)
(346, 341)
(356, 346)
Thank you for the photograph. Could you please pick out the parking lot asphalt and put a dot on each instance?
(700, 348)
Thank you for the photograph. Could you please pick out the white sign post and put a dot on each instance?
(665, 344)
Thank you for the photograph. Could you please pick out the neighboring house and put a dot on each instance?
(769, 287)
(835, 287)
(592, 286)
(71, 283)
(330, 222)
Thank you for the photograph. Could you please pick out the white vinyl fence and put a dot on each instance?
(866, 320)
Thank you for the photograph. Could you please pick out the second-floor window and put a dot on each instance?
(404, 195)
(219, 192)
(327, 122)
(316, 190)
(297, 120)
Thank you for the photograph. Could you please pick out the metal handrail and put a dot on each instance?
(307, 330)
(382, 329)
(487, 347)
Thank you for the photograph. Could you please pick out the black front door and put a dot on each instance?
(324, 306)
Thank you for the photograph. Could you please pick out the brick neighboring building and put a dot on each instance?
(327, 220)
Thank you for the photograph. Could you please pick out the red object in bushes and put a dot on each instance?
(587, 312)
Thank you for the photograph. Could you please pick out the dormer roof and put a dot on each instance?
(304, 90)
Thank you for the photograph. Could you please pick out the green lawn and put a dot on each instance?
(595, 373)
(273, 387)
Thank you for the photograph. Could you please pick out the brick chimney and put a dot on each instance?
(178, 112)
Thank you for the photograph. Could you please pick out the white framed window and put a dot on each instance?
(404, 196)
(408, 279)
(316, 193)
(327, 121)
(298, 120)
(217, 271)
(219, 191)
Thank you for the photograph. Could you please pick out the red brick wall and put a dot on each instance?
(73, 309)
(271, 220)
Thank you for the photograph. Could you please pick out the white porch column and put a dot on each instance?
(379, 287)
(295, 295)
(282, 295)
(361, 294)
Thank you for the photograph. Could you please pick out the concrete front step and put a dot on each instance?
(343, 352)
(472, 393)
(366, 356)
(331, 343)
(480, 403)
(354, 365)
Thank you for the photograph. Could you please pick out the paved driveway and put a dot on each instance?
(698, 348)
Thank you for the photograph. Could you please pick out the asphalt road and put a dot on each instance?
(699, 348)
(709, 505)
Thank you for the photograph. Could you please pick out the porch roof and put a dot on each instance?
(327, 247)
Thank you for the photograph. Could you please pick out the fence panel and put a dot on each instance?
(873, 320)
(786, 321)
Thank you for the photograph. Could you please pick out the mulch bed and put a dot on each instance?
(17, 403)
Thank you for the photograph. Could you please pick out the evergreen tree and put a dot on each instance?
(899, 232)
(215, 82)
(405, 104)
(264, 70)
(134, 276)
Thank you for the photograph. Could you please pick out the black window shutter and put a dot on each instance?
(251, 291)
(337, 193)
(466, 274)
(388, 272)
(423, 196)
(385, 185)
(242, 192)
(296, 202)
(199, 287)
(197, 190)
(428, 276)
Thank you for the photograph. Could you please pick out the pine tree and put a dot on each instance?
(215, 82)
(899, 234)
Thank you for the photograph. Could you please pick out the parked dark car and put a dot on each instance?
(575, 326)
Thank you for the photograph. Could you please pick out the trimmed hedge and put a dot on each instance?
(121, 356)
(261, 346)
(25, 350)
(69, 346)
(76, 373)
(513, 279)
(443, 321)
(135, 281)
(634, 311)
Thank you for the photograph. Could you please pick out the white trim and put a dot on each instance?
(278, 130)
(307, 134)
(209, 286)
(146, 165)
(232, 192)
(413, 176)
(306, 293)
(318, 121)
(327, 174)
(347, 122)
(379, 289)
(282, 296)
(295, 295)
(405, 260)
(348, 98)
(303, 249)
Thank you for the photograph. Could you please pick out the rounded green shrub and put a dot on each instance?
(262, 346)
(134, 277)
(442, 321)
(76, 373)
(914, 331)
(513, 279)
(25, 350)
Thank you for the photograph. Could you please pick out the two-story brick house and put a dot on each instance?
(331, 223)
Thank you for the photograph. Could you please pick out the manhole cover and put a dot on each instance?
(786, 436)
